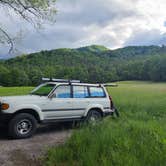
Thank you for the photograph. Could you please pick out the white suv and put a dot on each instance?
(54, 101)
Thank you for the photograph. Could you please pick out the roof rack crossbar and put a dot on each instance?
(110, 84)
(61, 80)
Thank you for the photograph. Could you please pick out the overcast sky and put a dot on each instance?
(113, 23)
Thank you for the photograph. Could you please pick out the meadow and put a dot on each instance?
(10, 91)
(137, 138)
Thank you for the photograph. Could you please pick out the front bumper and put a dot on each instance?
(4, 119)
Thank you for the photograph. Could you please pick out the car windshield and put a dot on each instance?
(43, 90)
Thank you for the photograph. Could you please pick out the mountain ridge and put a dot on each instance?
(102, 49)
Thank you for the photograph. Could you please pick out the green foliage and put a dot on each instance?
(89, 64)
(137, 138)
(93, 48)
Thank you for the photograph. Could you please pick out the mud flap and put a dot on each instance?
(116, 112)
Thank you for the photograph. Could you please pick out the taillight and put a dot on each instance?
(110, 98)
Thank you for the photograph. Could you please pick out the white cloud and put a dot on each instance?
(113, 23)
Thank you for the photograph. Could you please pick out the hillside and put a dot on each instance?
(132, 51)
(94, 49)
(93, 64)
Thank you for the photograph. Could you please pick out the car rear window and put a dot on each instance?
(80, 92)
(96, 92)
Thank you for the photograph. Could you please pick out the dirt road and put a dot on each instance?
(26, 152)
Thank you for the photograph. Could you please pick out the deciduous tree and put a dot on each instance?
(33, 11)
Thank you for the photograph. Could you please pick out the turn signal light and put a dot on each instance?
(4, 106)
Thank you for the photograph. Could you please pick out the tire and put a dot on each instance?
(93, 116)
(23, 125)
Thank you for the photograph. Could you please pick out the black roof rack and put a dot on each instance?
(110, 84)
(60, 80)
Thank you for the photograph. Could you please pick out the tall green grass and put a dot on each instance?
(137, 138)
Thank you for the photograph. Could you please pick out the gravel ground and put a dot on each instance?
(26, 152)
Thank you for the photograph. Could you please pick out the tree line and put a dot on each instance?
(130, 63)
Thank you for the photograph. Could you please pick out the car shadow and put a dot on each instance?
(46, 129)
(42, 129)
(3, 132)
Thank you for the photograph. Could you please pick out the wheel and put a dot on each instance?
(93, 116)
(22, 125)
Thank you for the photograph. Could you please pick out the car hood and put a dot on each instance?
(25, 98)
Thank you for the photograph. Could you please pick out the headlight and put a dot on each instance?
(4, 106)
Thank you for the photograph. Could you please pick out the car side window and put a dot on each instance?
(80, 92)
(97, 92)
(63, 91)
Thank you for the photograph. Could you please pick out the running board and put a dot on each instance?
(61, 120)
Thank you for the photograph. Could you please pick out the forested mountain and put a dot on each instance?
(89, 64)
(94, 48)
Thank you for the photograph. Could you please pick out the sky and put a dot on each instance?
(112, 23)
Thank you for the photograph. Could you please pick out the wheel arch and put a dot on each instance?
(96, 109)
(29, 111)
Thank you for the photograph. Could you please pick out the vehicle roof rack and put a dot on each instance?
(110, 84)
(60, 80)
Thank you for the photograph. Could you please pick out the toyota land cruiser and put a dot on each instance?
(55, 100)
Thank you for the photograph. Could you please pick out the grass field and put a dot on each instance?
(137, 138)
(9, 91)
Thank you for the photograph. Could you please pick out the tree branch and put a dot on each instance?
(33, 11)
(9, 40)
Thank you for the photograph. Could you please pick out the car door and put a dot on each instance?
(80, 99)
(60, 105)
(98, 97)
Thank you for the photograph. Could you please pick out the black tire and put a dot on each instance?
(23, 125)
(93, 116)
